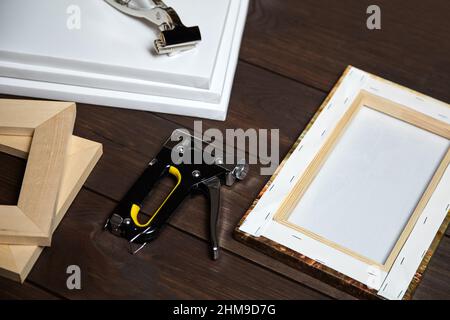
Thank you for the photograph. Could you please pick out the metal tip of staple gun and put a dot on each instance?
(174, 37)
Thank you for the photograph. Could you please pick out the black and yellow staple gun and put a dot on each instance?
(196, 166)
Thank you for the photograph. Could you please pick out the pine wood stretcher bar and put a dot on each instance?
(16, 261)
(50, 124)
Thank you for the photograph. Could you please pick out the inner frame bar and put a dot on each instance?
(389, 108)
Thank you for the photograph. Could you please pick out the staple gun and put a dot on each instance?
(177, 158)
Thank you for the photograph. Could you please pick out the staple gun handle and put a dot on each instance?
(211, 188)
(159, 218)
(124, 221)
(135, 208)
(142, 187)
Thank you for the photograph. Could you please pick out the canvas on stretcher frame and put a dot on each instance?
(268, 224)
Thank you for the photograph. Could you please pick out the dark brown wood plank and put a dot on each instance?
(174, 267)
(113, 130)
(134, 136)
(109, 178)
(10, 290)
(313, 41)
(431, 287)
(11, 175)
(263, 100)
(197, 210)
(130, 140)
(192, 216)
(435, 283)
(131, 147)
(12, 170)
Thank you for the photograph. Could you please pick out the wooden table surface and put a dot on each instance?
(292, 54)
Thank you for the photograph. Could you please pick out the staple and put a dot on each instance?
(323, 132)
(362, 78)
(403, 259)
(267, 217)
(385, 286)
(290, 181)
(296, 237)
(329, 106)
(346, 100)
(258, 229)
(271, 187)
(425, 220)
(372, 274)
(300, 148)
(442, 116)
(419, 98)
(374, 89)
(399, 295)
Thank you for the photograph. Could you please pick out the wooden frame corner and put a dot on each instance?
(50, 124)
(16, 261)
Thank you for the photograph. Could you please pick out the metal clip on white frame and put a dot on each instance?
(175, 36)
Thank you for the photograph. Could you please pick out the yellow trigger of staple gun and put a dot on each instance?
(174, 36)
(177, 158)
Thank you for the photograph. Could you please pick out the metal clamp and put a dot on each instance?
(174, 37)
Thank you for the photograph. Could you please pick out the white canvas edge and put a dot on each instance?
(183, 78)
(109, 82)
(260, 221)
(120, 99)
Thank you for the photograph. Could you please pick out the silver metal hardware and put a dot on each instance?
(174, 37)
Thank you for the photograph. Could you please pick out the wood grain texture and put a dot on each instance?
(16, 261)
(19, 118)
(30, 221)
(45, 166)
(433, 285)
(312, 41)
(407, 114)
(109, 125)
(317, 268)
(164, 270)
(17, 146)
(263, 100)
(10, 290)
(302, 41)
(12, 170)
(190, 217)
